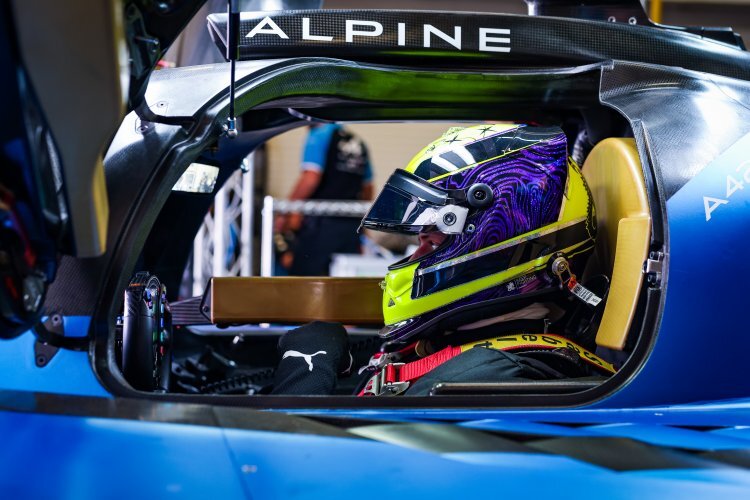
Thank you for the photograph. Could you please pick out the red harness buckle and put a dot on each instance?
(395, 378)
(385, 382)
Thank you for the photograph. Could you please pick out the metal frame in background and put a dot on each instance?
(327, 208)
(232, 208)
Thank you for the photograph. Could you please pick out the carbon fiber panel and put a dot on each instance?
(621, 454)
(508, 40)
(688, 119)
(439, 438)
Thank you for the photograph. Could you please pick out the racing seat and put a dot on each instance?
(614, 175)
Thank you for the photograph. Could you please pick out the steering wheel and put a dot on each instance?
(147, 334)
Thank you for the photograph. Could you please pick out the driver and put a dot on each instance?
(504, 220)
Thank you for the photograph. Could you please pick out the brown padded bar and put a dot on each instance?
(296, 300)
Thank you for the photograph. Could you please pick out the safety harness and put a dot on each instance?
(393, 378)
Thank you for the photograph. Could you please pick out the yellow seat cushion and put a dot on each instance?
(614, 174)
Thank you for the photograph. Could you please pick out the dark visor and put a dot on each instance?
(407, 204)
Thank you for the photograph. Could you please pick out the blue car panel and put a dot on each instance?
(68, 372)
(66, 436)
(116, 458)
(46, 456)
(698, 354)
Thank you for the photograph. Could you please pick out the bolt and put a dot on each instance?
(480, 195)
(559, 265)
(470, 228)
(449, 219)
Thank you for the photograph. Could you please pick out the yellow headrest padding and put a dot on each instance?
(614, 174)
(627, 278)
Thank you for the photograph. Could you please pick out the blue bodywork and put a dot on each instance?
(68, 372)
(88, 457)
(696, 450)
(65, 435)
(699, 354)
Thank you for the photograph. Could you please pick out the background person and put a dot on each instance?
(335, 166)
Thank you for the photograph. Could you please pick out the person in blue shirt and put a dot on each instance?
(335, 166)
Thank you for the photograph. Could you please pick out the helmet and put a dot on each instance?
(504, 199)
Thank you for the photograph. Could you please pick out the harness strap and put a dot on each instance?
(394, 378)
(542, 341)
(409, 372)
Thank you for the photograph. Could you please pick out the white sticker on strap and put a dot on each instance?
(585, 294)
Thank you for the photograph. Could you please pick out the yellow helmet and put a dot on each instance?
(507, 198)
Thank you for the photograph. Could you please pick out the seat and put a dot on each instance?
(615, 177)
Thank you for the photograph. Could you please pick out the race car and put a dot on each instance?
(659, 120)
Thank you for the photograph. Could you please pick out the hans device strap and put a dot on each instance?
(544, 341)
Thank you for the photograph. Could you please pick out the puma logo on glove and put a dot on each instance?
(307, 357)
(294, 377)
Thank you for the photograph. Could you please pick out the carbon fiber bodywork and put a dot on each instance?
(512, 41)
(684, 119)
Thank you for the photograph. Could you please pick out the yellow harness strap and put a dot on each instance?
(541, 341)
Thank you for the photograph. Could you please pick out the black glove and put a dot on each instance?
(311, 357)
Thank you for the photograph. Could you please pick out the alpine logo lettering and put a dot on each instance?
(359, 30)
(735, 182)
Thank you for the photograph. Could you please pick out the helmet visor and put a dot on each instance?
(412, 205)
